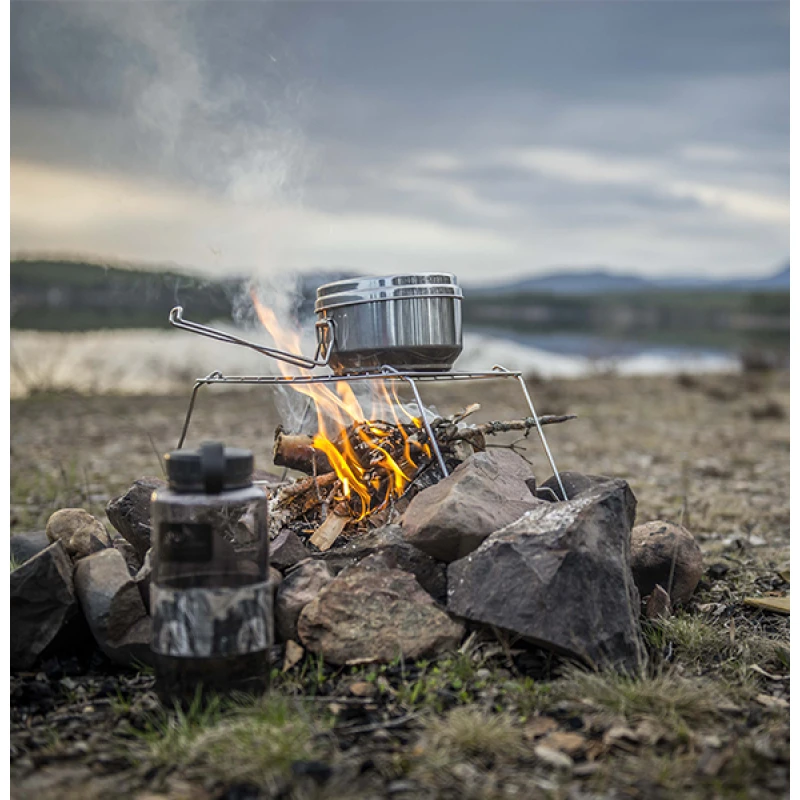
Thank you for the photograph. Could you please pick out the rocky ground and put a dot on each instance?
(496, 719)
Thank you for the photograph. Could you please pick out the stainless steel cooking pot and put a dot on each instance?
(409, 322)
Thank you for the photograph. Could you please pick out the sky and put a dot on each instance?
(493, 140)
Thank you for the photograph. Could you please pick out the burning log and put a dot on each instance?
(296, 451)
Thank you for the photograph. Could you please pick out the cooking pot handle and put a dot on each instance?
(321, 358)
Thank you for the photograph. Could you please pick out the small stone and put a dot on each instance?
(362, 689)
(659, 605)
(376, 616)
(27, 545)
(539, 726)
(718, 570)
(572, 744)
(560, 577)
(286, 550)
(294, 652)
(81, 533)
(113, 607)
(42, 599)
(552, 758)
(483, 494)
(130, 512)
(299, 587)
(655, 546)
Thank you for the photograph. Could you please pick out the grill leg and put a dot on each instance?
(541, 435)
(427, 424)
(200, 382)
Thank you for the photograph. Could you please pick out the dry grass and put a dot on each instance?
(669, 699)
(250, 741)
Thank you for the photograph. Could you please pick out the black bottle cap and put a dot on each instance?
(211, 469)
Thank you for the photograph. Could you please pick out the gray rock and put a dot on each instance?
(27, 545)
(574, 483)
(376, 615)
(142, 580)
(654, 547)
(286, 550)
(560, 577)
(130, 512)
(389, 541)
(42, 602)
(658, 604)
(81, 533)
(298, 588)
(483, 494)
(128, 552)
(113, 607)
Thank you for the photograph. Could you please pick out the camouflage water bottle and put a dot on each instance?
(210, 595)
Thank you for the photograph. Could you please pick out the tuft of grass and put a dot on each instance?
(14, 563)
(472, 734)
(702, 645)
(667, 698)
(252, 741)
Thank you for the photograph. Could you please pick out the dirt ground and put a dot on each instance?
(710, 720)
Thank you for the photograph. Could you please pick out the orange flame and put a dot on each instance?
(339, 411)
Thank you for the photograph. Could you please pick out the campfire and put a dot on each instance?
(361, 463)
(371, 453)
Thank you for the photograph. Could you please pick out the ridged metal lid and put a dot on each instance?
(213, 469)
(393, 287)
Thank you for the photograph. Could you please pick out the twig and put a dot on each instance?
(522, 424)
(378, 726)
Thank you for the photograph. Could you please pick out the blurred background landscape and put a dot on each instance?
(609, 181)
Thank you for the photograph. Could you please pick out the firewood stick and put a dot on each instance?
(522, 424)
(297, 451)
(329, 531)
(309, 484)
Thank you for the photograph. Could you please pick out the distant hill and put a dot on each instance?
(604, 281)
(76, 295)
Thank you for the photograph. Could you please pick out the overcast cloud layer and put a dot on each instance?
(486, 139)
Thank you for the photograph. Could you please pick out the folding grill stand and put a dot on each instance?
(385, 373)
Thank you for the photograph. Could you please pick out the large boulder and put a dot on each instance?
(483, 494)
(560, 577)
(389, 541)
(27, 545)
(300, 586)
(42, 602)
(367, 615)
(130, 512)
(81, 533)
(113, 607)
(667, 555)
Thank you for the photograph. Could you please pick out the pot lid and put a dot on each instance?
(393, 287)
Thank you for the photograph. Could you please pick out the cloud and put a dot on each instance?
(482, 139)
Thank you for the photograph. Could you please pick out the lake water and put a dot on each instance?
(165, 361)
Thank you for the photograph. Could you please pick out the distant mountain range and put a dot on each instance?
(603, 281)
